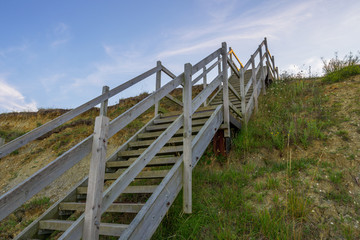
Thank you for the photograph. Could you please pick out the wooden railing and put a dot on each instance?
(42, 178)
(256, 82)
(214, 66)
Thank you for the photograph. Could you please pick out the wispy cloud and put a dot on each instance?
(60, 34)
(20, 48)
(12, 100)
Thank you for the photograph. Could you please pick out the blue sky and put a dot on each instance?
(58, 54)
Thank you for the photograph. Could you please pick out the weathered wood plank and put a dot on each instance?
(106, 229)
(157, 86)
(168, 72)
(156, 134)
(132, 153)
(128, 189)
(164, 126)
(196, 115)
(154, 162)
(188, 111)
(225, 90)
(234, 108)
(142, 175)
(232, 89)
(96, 179)
(115, 207)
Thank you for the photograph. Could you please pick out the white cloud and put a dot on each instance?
(60, 35)
(12, 100)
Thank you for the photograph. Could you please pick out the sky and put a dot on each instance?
(59, 54)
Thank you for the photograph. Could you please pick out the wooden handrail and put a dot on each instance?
(231, 52)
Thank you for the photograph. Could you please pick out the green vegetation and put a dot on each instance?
(279, 196)
(337, 70)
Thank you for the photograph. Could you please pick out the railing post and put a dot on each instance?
(104, 104)
(187, 151)
(277, 73)
(267, 54)
(205, 84)
(225, 91)
(262, 71)
(2, 141)
(157, 86)
(231, 58)
(242, 94)
(254, 83)
(219, 69)
(273, 65)
(96, 179)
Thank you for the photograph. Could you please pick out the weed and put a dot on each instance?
(297, 205)
(343, 134)
(335, 177)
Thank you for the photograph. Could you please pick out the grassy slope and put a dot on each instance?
(293, 174)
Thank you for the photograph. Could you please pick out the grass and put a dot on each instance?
(292, 113)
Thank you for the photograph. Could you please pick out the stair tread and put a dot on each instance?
(154, 162)
(108, 229)
(115, 207)
(143, 174)
(168, 149)
(156, 134)
(166, 125)
(129, 189)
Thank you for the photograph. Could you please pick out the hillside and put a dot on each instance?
(292, 174)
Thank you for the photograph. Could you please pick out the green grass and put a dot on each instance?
(291, 113)
(342, 74)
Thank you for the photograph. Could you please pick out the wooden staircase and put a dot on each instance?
(143, 176)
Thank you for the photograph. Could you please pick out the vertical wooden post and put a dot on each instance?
(2, 141)
(277, 73)
(273, 66)
(157, 86)
(187, 151)
(262, 71)
(225, 90)
(104, 104)
(254, 83)
(231, 58)
(96, 179)
(267, 54)
(205, 84)
(242, 94)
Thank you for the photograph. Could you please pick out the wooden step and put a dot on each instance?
(115, 207)
(156, 134)
(158, 127)
(157, 161)
(107, 229)
(129, 189)
(177, 113)
(146, 143)
(196, 115)
(144, 174)
(132, 153)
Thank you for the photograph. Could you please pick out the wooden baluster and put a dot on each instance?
(187, 149)
(225, 90)
(205, 84)
(96, 174)
(262, 79)
(254, 83)
(157, 86)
